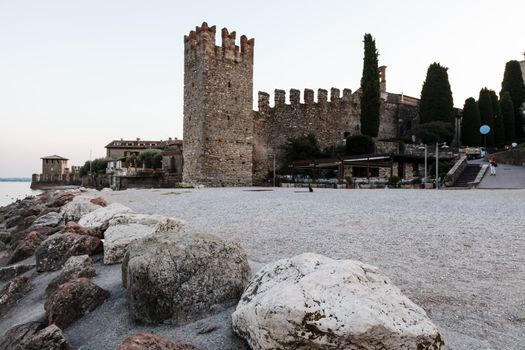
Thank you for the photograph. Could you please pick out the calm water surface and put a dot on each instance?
(11, 191)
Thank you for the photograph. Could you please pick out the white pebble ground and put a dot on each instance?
(458, 254)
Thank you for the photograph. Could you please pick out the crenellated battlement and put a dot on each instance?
(308, 94)
(202, 39)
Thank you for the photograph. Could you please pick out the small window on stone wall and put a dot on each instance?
(229, 84)
(228, 117)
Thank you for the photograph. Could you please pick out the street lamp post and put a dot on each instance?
(421, 146)
(444, 146)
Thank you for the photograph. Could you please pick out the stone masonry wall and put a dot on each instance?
(218, 120)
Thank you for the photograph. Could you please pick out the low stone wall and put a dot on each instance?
(456, 171)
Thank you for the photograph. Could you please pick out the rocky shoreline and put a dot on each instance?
(67, 254)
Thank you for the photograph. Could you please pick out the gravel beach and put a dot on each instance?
(458, 254)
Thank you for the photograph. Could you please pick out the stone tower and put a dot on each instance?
(218, 119)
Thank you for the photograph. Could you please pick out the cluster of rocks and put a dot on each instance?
(176, 277)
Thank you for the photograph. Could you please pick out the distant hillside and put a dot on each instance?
(15, 179)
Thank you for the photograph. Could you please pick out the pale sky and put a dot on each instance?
(75, 75)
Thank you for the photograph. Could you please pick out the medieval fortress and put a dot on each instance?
(227, 143)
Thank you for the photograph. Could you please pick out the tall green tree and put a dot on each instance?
(436, 96)
(486, 114)
(499, 126)
(513, 83)
(370, 89)
(470, 123)
(507, 111)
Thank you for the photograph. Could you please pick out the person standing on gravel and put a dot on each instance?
(493, 166)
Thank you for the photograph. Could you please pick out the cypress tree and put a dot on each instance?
(370, 89)
(486, 114)
(513, 83)
(507, 111)
(436, 96)
(470, 123)
(499, 126)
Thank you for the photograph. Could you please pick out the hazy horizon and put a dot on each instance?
(77, 75)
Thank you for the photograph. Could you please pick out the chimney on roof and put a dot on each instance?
(138, 138)
(121, 139)
(169, 139)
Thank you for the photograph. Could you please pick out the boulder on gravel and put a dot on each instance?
(178, 278)
(27, 247)
(314, 302)
(148, 341)
(75, 267)
(100, 216)
(12, 292)
(49, 338)
(51, 219)
(54, 251)
(128, 227)
(60, 198)
(73, 227)
(72, 300)
(8, 272)
(17, 334)
(80, 205)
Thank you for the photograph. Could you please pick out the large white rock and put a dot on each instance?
(314, 302)
(100, 216)
(80, 205)
(127, 227)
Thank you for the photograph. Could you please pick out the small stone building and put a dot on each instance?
(55, 173)
(54, 168)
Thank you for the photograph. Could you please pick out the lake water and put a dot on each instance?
(11, 191)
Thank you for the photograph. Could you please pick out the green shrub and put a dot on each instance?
(394, 181)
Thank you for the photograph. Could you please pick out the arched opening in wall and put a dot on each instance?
(173, 166)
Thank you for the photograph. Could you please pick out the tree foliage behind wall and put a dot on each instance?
(370, 89)
(513, 83)
(435, 132)
(151, 158)
(301, 148)
(436, 96)
(97, 165)
(470, 123)
(359, 144)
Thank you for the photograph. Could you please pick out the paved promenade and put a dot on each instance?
(507, 177)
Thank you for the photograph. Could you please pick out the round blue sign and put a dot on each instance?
(484, 129)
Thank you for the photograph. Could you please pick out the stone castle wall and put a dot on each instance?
(218, 123)
(329, 120)
(226, 143)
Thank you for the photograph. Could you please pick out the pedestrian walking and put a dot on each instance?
(467, 152)
(493, 165)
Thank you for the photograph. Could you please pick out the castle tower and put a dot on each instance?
(218, 121)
